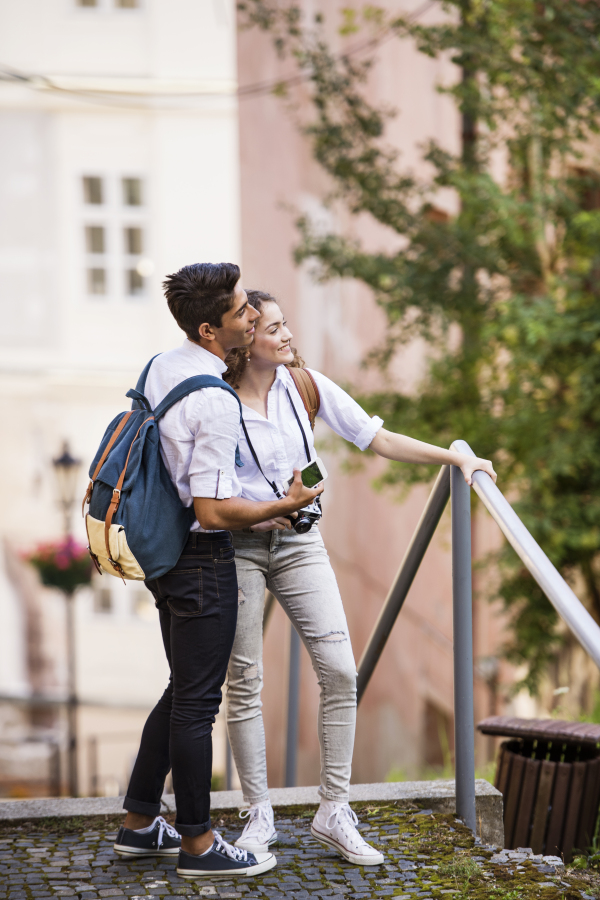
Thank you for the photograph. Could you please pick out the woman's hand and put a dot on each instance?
(281, 523)
(472, 464)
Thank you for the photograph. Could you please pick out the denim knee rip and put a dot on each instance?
(330, 637)
(251, 672)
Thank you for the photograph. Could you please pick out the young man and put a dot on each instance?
(198, 599)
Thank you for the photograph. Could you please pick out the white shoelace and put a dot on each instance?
(259, 824)
(232, 852)
(164, 826)
(345, 815)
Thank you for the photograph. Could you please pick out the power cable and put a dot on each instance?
(45, 82)
(376, 41)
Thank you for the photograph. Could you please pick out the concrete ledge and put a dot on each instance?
(439, 796)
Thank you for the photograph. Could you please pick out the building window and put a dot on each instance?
(134, 244)
(132, 191)
(92, 190)
(86, 2)
(102, 600)
(134, 283)
(96, 281)
(588, 188)
(127, 4)
(94, 239)
(114, 237)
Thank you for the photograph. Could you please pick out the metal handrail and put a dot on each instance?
(450, 481)
(554, 586)
(404, 578)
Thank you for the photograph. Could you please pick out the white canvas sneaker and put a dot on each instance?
(260, 828)
(335, 825)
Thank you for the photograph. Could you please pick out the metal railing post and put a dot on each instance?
(228, 763)
(291, 745)
(401, 585)
(464, 726)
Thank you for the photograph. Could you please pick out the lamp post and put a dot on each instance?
(66, 469)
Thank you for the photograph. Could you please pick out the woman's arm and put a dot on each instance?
(408, 450)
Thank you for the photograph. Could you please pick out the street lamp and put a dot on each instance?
(66, 469)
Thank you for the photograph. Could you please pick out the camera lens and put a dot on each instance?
(302, 524)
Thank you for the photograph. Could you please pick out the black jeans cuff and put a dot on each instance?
(192, 830)
(141, 807)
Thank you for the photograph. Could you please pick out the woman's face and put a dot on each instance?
(271, 344)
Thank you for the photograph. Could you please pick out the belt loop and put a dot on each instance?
(194, 539)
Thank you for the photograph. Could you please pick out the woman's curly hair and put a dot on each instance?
(237, 359)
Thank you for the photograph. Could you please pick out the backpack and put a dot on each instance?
(137, 525)
(308, 390)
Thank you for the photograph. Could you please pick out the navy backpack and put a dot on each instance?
(137, 525)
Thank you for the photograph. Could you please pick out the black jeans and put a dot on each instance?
(197, 603)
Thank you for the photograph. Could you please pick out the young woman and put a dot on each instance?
(275, 439)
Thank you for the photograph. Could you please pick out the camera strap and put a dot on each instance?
(272, 484)
(306, 450)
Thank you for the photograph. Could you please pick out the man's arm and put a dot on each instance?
(236, 513)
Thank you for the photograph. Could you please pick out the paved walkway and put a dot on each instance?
(427, 856)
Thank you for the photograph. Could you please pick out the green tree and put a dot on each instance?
(516, 269)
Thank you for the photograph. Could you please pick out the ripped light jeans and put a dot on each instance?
(296, 569)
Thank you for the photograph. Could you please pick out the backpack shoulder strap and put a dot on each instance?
(195, 383)
(141, 385)
(137, 395)
(309, 392)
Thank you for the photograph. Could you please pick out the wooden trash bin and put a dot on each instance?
(549, 777)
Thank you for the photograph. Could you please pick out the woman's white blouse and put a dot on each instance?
(278, 442)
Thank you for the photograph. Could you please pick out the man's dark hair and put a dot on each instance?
(199, 293)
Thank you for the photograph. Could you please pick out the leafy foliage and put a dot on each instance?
(515, 271)
(65, 564)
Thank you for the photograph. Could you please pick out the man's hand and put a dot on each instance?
(474, 464)
(235, 513)
(299, 495)
(278, 524)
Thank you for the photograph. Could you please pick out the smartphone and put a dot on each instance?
(312, 474)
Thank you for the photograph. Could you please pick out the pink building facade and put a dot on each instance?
(405, 721)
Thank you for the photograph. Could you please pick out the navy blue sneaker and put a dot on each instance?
(159, 839)
(223, 859)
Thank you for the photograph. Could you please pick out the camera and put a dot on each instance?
(307, 516)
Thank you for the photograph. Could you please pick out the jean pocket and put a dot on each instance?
(183, 591)
(226, 580)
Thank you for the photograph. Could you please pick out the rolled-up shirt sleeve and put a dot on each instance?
(215, 422)
(343, 414)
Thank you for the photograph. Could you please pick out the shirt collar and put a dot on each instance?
(282, 375)
(207, 359)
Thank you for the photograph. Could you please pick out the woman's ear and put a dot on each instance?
(205, 331)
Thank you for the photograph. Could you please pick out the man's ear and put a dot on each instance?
(205, 331)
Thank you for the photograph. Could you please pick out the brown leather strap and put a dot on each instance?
(116, 499)
(309, 392)
(95, 559)
(102, 460)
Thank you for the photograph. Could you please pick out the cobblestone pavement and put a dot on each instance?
(427, 856)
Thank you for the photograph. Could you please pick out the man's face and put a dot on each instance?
(237, 325)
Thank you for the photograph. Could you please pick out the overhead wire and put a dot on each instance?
(46, 83)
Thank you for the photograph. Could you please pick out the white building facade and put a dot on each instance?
(118, 164)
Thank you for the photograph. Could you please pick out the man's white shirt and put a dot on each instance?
(277, 440)
(199, 434)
